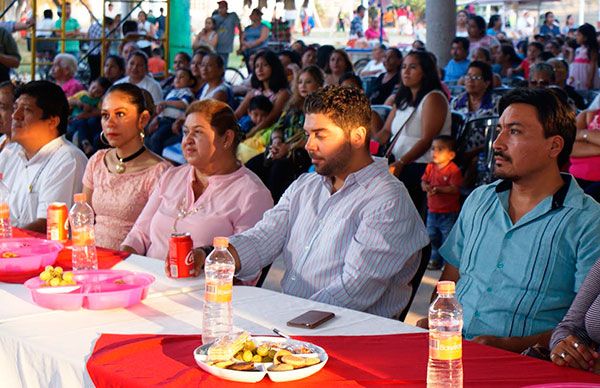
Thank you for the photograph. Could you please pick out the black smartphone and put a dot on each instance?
(311, 319)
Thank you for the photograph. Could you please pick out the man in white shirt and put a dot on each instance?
(7, 100)
(44, 167)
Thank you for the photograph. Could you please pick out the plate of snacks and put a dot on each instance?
(94, 290)
(240, 357)
(21, 255)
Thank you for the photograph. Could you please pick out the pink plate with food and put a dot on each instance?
(94, 290)
(22, 255)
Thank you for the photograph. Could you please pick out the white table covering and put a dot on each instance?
(46, 348)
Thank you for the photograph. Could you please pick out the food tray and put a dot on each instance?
(32, 254)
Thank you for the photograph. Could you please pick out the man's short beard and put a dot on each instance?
(337, 162)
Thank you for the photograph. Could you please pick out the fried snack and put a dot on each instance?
(9, 255)
(280, 353)
(312, 361)
(225, 348)
(243, 366)
(280, 368)
(295, 361)
(222, 364)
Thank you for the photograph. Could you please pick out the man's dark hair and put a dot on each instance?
(104, 83)
(348, 108)
(538, 45)
(260, 102)
(543, 67)
(462, 41)
(47, 14)
(479, 22)
(129, 26)
(292, 55)
(553, 111)
(447, 140)
(360, 8)
(50, 98)
(185, 56)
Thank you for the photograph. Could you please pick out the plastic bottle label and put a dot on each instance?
(444, 347)
(4, 210)
(83, 237)
(218, 293)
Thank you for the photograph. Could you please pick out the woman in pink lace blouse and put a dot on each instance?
(213, 195)
(119, 180)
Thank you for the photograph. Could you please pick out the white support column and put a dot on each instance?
(441, 28)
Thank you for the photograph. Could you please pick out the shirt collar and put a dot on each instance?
(569, 194)
(44, 152)
(361, 177)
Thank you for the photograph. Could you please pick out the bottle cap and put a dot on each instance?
(79, 197)
(445, 287)
(221, 242)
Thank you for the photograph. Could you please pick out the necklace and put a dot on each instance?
(120, 166)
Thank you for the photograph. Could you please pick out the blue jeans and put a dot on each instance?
(439, 226)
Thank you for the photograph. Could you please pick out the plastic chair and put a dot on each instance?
(368, 84)
(382, 110)
(263, 275)
(455, 90)
(415, 282)
(458, 120)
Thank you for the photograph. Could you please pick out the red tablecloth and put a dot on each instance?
(384, 360)
(107, 258)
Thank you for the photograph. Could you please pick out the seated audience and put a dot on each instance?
(63, 72)
(309, 57)
(348, 235)
(212, 195)
(386, 83)
(506, 59)
(45, 167)
(268, 79)
(137, 74)
(118, 181)
(114, 68)
(156, 63)
(196, 68)
(584, 163)
(441, 182)
(457, 66)
(575, 340)
(478, 38)
(338, 64)
(561, 72)
(523, 245)
(259, 108)
(477, 100)
(182, 60)
(160, 131)
(212, 72)
(534, 50)
(375, 66)
(419, 114)
(7, 102)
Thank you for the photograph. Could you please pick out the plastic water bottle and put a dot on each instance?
(217, 318)
(81, 219)
(445, 339)
(5, 226)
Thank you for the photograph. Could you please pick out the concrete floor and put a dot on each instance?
(417, 310)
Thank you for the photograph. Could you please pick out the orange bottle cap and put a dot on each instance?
(221, 242)
(445, 287)
(80, 197)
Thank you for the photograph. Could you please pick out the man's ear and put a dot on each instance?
(358, 137)
(556, 146)
(54, 122)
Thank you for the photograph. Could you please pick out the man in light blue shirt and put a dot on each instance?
(522, 246)
(459, 64)
(348, 235)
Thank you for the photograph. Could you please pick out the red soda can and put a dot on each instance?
(56, 222)
(181, 256)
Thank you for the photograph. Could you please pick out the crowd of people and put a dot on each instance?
(523, 249)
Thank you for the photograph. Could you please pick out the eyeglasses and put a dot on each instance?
(473, 78)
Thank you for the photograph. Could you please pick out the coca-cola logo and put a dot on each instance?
(189, 259)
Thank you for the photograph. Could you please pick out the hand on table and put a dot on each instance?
(490, 340)
(570, 351)
(423, 323)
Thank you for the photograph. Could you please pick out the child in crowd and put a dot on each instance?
(84, 121)
(156, 64)
(534, 50)
(441, 182)
(160, 129)
(583, 71)
(259, 107)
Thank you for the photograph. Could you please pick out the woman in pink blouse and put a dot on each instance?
(212, 195)
(119, 180)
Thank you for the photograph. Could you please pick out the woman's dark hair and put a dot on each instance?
(479, 22)
(589, 33)
(104, 83)
(129, 26)
(430, 81)
(396, 52)
(278, 79)
(185, 56)
(220, 117)
(118, 60)
(260, 102)
(293, 56)
(486, 53)
(344, 56)
(136, 97)
(553, 111)
(509, 50)
(493, 20)
(486, 73)
(547, 14)
(350, 76)
(323, 53)
(50, 98)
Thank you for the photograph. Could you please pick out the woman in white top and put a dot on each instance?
(212, 71)
(137, 74)
(420, 112)
(207, 37)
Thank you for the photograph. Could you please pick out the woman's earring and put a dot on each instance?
(142, 135)
(103, 139)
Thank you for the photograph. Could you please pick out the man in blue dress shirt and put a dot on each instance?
(459, 64)
(523, 245)
(349, 235)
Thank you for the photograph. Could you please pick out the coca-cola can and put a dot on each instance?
(56, 222)
(181, 256)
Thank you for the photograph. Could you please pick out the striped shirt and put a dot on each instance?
(583, 318)
(520, 279)
(357, 248)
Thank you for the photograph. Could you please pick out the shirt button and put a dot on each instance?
(500, 265)
(306, 248)
(489, 289)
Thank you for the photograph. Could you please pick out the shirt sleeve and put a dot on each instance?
(574, 322)
(10, 45)
(252, 210)
(261, 245)
(386, 243)
(456, 178)
(427, 173)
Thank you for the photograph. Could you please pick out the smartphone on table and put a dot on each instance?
(311, 319)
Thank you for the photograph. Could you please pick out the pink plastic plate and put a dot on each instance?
(98, 290)
(32, 254)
